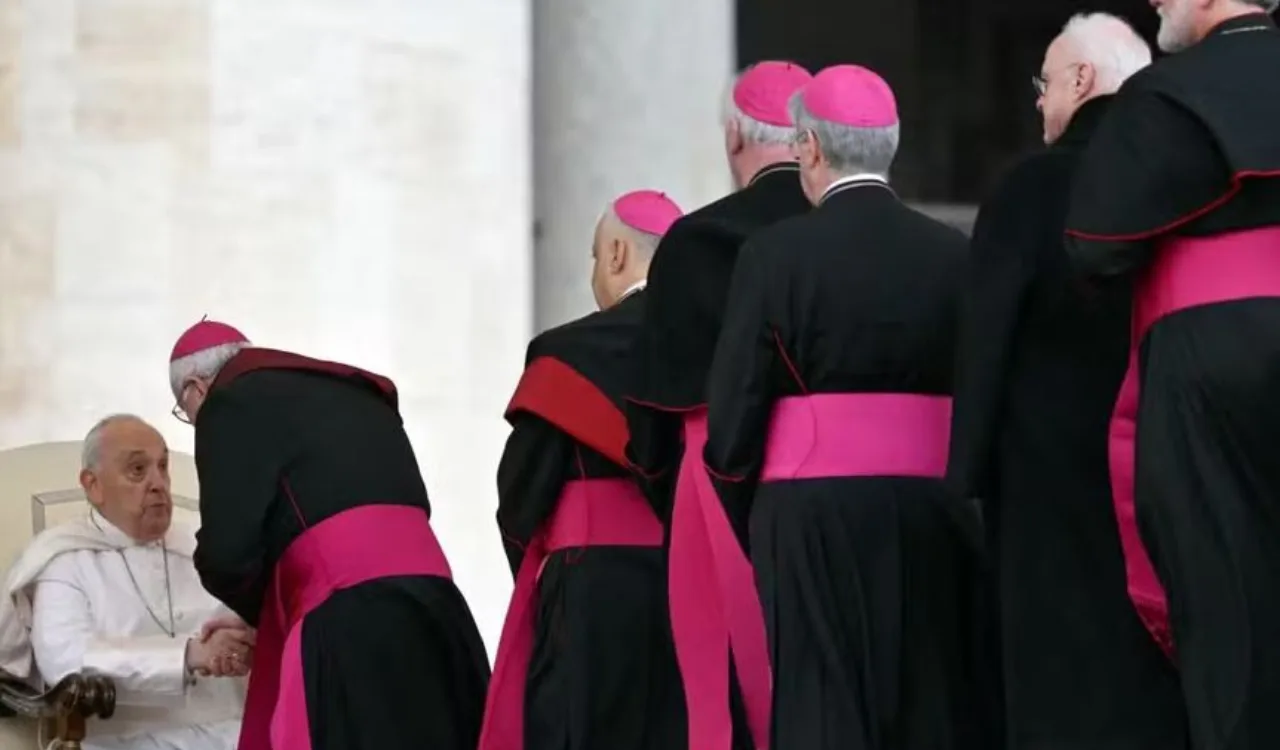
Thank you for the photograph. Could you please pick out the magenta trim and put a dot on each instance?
(589, 513)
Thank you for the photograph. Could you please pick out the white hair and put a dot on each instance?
(645, 242)
(751, 129)
(847, 149)
(204, 364)
(91, 449)
(1110, 45)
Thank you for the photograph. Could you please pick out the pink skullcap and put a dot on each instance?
(763, 92)
(647, 211)
(851, 95)
(205, 335)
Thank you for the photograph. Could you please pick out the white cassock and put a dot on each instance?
(84, 595)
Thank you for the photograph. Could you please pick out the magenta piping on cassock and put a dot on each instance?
(589, 513)
(858, 435)
(715, 608)
(358, 545)
(1185, 272)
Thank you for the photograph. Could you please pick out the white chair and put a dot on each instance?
(38, 489)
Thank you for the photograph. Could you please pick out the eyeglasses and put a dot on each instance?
(178, 412)
(1040, 81)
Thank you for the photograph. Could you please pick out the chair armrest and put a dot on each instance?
(68, 704)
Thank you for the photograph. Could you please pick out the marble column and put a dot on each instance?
(346, 179)
(626, 95)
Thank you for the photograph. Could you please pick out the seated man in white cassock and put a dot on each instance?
(115, 593)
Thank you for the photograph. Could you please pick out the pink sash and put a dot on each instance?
(1186, 272)
(355, 546)
(589, 513)
(858, 435)
(715, 609)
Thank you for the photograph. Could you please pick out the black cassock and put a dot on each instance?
(688, 283)
(601, 672)
(1039, 366)
(839, 335)
(1179, 185)
(314, 528)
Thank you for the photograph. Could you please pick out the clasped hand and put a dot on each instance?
(223, 649)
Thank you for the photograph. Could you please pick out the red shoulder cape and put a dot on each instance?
(255, 358)
(564, 397)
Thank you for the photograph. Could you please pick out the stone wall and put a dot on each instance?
(627, 95)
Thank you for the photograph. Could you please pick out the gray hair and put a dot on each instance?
(645, 242)
(91, 449)
(1110, 45)
(847, 149)
(204, 364)
(752, 130)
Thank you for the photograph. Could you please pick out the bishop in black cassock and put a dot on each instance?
(586, 659)
(828, 423)
(1039, 366)
(315, 528)
(666, 412)
(1180, 186)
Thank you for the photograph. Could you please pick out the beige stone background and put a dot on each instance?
(352, 179)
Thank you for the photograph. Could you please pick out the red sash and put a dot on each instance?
(1186, 272)
(355, 546)
(589, 513)
(857, 435)
(715, 609)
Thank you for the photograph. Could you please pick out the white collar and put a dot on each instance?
(639, 285)
(848, 182)
(114, 536)
(782, 166)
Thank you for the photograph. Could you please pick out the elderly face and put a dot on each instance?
(1177, 23)
(130, 483)
(1063, 84)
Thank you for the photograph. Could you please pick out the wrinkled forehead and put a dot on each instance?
(131, 440)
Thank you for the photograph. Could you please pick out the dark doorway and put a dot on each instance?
(961, 69)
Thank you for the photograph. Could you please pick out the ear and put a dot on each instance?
(1086, 77)
(617, 255)
(89, 483)
(809, 150)
(733, 138)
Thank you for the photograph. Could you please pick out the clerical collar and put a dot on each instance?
(849, 182)
(1243, 24)
(638, 286)
(782, 166)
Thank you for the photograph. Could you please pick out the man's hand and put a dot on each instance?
(225, 652)
(220, 622)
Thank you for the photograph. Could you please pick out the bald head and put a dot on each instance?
(626, 237)
(1093, 56)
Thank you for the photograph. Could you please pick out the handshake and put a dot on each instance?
(223, 649)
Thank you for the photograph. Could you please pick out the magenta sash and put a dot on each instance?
(1186, 272)
(589, 513)
(355, 546)
(858, 435)
(715, 609)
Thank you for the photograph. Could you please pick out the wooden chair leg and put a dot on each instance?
(71, 730)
